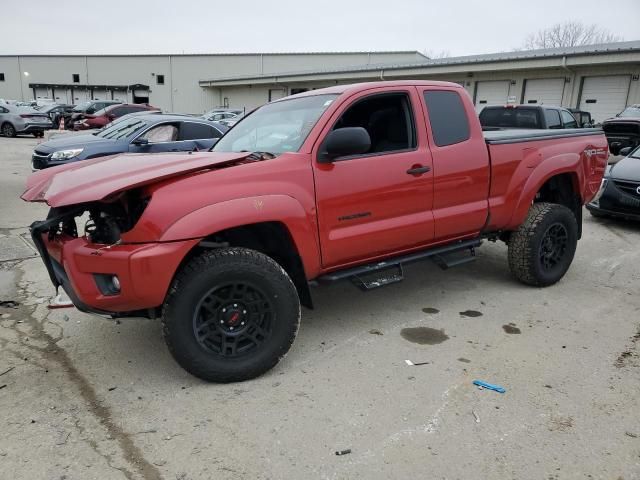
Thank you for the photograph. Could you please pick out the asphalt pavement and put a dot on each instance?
(82, 397)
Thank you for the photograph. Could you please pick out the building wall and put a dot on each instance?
(180, 92)
(253, 96)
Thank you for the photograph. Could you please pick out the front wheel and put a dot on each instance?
(542, 249)
(231, 315)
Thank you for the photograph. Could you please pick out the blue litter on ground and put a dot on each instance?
(489, 386)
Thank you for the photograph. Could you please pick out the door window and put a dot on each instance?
(553, 118)
(161, 134)
(197, 131)
(388, 120)
(568, 120)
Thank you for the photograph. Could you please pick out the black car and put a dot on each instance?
(619, 194)
(57, 111)
(526, 116)
(89, 107)
(148, 133)
(623, 130)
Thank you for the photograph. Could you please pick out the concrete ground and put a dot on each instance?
(86, 398)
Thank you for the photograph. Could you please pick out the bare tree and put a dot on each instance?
(433, 54)
(569, 34)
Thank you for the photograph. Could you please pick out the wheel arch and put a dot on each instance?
(275, 225)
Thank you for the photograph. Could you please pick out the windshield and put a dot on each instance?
(276, 127)
(635, 153)
(630, 112)
(82, 107)
(122, 129)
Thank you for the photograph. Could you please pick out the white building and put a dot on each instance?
(170, 82)
(601, 79)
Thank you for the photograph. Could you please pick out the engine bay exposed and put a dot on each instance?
(104, 222)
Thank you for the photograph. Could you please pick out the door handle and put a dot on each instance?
(418, 170)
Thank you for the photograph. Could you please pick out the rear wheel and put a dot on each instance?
(542, 249)
(8, 130)
(231, 315)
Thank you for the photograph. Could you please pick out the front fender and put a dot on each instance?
(250, 210)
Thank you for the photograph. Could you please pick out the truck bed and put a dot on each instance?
(493, 137)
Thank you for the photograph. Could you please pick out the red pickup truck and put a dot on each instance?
(348, 182)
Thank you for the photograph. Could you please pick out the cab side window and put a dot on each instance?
(553, 118)
(387, 118)
(568, 120)
(448, 118)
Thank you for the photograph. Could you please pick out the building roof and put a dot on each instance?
(221, 54)
(598, 49)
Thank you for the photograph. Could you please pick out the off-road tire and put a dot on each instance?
(526, 244)
(8, 130)
(204, 274)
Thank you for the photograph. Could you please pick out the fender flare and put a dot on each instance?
(239, 212)
(550, 167)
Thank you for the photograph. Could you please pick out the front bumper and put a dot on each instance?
(619, 198)
(145, 271)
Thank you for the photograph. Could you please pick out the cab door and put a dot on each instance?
(460, 163)
(379, 202)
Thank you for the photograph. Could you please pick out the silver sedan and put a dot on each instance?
(16, 120)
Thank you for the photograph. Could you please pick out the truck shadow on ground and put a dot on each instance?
(341, 311)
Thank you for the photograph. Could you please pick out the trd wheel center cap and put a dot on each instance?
(233, 316)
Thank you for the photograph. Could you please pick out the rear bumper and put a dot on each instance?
(33, 127)
(145, 271)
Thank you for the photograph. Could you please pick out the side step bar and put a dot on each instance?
(438, 255)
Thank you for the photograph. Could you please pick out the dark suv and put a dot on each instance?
(623, 130)
(526, 116)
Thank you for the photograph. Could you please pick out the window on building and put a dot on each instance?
(553, 118)
(76, 78)
(448, 118)
(1, 77)
(388, 120)
(298, 90)
(160, 79)
(568, 120)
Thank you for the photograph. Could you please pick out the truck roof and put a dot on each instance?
(359, 87)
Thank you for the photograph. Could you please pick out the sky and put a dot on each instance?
(459, 27)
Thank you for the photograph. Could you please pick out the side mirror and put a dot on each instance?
(140, 142)
(344, 142)
(625, 151)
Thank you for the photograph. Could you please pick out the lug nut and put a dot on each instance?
(235, 305)
(230, 328)
(224, 310)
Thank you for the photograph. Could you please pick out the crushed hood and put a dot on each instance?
(93, 180)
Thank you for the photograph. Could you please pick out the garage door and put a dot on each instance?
(42, 92)
(80, 95)
(276, 93)
(101, 94)
(120, 96)
(492, 93)
(604, 96)
(62, 95)
(547, 91)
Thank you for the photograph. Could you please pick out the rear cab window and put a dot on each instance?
(510, 117)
